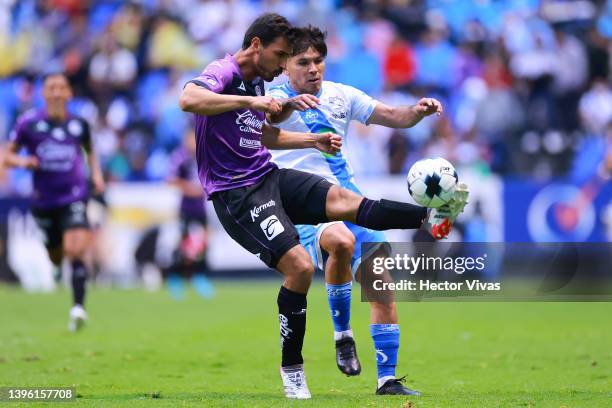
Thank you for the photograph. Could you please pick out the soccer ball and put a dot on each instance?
(432, 182)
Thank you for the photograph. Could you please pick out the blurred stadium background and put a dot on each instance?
(526, 87)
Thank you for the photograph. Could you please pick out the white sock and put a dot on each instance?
(343, 334)
(383, 380)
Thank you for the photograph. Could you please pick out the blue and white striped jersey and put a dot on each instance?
(339, 105)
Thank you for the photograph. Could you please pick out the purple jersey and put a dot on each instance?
(61, 177)
(184, 167)
(229, 149)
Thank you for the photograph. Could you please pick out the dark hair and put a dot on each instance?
(267, 28)
(310, 37)
(48, 74)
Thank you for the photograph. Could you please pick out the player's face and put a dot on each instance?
(56, 90)
(305, 71)
(271, 60)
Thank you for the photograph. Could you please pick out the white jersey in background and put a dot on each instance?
(339, 104)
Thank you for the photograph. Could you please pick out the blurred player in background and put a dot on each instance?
(313, 105)
(189, 258)
(59, 149)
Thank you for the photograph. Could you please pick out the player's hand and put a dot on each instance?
(302, 102)
(266, 104)
(428, 106)
(328, 142)
(98, 183)
(30, 162)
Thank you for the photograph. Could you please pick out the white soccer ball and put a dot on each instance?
(432, 182)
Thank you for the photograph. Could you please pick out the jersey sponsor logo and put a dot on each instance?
(250, 143)
(256, 210)
(241, 86)
(211, 82)
(311, 115)
(248, 122)
(271, 227)
(75, 128)
(56, 157)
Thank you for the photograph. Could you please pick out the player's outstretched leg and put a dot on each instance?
(345, 205)
(338, 241)
(298, 270)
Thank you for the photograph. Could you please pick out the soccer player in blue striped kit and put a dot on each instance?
(313, 105)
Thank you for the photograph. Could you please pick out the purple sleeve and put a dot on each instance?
(215, 77)
(18, 133)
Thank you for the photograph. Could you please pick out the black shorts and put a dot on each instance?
(54, 221)
(261, 217)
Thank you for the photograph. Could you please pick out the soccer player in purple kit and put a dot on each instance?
(57, 145)
(257, 203)
(189, 258)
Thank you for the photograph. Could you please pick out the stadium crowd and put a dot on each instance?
(526, 84)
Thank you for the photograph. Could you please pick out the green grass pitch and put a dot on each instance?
(145, 349)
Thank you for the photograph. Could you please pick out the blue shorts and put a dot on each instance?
(311, 234)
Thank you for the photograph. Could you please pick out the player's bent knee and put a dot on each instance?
(344, 245)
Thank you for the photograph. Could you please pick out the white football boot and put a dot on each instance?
(294, 382)
(78, 317)
(440, 220)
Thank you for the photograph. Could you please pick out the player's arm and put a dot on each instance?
(404, 116)
(197, 99)
(275, 138)
(299, 102)
(92, 160)
(12, 158)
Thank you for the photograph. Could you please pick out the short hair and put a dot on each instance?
(50, 74)
(267, 28)
(310, 36)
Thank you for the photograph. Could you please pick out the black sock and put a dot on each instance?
(79, 276)
(385, 214)
(292, 318)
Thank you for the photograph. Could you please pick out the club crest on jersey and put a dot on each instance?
(258, 90)
(256, 210)
(75, 128)
(337, 106)
(58, 133)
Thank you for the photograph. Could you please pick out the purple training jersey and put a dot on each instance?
(229, 149)
(184, 167)
(61, 177)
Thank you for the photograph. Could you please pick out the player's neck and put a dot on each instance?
(244, 59)
(57, 113)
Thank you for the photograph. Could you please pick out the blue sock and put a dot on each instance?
(339, 297)
(386, 343)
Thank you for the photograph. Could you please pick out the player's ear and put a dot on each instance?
(256, 43)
